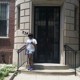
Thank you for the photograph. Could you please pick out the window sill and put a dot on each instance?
(4, 37)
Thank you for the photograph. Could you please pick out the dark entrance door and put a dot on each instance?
(47, 32)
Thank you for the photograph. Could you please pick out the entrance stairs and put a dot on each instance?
(48, 69)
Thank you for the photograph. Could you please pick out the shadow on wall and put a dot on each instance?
(6, 57)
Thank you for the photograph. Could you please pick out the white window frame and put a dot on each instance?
(7, 32)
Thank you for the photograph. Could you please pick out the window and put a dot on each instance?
(4, 19)
(75, 19)
(18, 17)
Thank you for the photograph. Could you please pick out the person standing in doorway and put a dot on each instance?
(30, 49)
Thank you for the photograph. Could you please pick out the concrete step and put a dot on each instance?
(49, 66)
(23, 76)
(49, 72)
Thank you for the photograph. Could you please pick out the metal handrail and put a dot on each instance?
(68, 48)
(19, 52)
(21, 49)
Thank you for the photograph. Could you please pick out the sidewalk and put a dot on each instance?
(23, 76)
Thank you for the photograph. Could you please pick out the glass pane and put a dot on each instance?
(56, 51)
(56, 14)
(3, 27)
(3, 11)
(42, 14)
(56, 31)
(37, 14)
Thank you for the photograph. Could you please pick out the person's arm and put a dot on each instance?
(25, 48)
(34, 43)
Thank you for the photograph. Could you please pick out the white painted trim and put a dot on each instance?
(62, 18)
(1, 37)
(8, 7)
(30, 16)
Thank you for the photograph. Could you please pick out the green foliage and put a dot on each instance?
(1, 78)
(10, 69)
(4, 72)
(1, 74)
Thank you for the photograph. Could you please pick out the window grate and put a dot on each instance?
(4, 19)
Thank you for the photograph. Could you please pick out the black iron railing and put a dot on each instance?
(70, 56)
(22, 58)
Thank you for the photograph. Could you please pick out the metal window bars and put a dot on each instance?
(4, 18)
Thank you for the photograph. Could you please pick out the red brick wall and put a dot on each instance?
(79, 24)
(6, 45)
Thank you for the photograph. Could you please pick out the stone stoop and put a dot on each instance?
(50, 69)
(49, 66)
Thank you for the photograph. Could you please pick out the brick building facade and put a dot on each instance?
(7, 42)
(26, 20)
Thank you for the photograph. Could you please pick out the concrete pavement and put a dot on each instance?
(23, 76)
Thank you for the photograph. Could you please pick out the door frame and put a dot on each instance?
(62, 24)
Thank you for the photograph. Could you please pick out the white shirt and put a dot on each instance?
(30, 46)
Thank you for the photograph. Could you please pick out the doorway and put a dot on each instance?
(47, 33)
